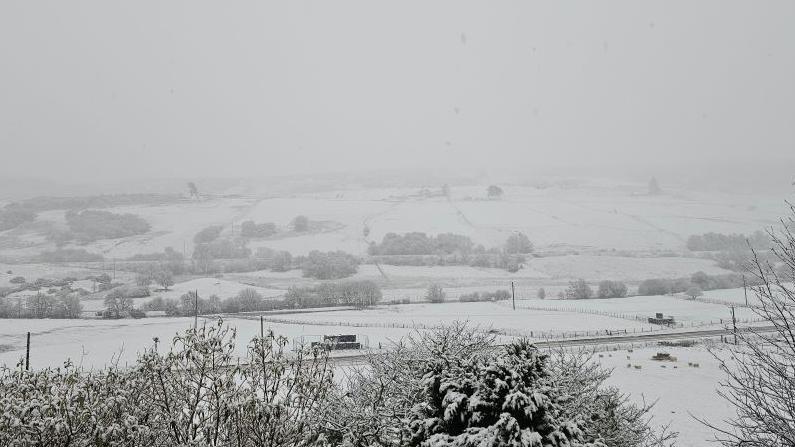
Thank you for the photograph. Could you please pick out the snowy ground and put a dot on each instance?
(212, 286)
(552, 273)
(736, 296)
(95, 343)
(582, 216)
(31, 272)
(486, 315)
(680, 391)
(681, 309)
(621, 268)
(102, 338)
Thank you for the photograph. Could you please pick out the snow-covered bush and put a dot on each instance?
(197, 394)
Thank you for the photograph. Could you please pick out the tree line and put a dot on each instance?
(344, 293)
(15, 214)
(692, 285)
(417, 248)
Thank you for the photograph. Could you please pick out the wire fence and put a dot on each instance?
(718, 301)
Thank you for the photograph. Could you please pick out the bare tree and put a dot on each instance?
(654, 187)
(164, 278)
(760, 371)
(435, 294)
(494, 191)
(694, 292)
(117, 304)
(193, 191)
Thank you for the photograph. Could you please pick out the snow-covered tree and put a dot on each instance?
(117, 304)
(579, 290)
(654, 187)
(508, 399)
(435, 294)
(694, 292)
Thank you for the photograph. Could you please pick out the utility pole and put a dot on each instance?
(745, 290)
(734, 325)
(27, 354)
(513, 296)
(195, 310)
(262, 351)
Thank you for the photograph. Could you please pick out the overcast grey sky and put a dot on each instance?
(100, 89)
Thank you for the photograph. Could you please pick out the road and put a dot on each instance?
(652, 336)
(359, 359)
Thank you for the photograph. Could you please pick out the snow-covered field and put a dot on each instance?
(578, 215)
(486, 315)
(102, 338)
(680, 391)
(588, 267)
(31, 272)
(621, 268)
(614, 216)
(736, 296)
(55, 340)
(353, 213)
(680, 308)
(95, 343)
(214, 286)
(552, 273)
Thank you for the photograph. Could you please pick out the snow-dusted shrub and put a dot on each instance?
(197, 394)
(66, 407)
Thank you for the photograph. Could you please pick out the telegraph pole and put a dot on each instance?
(745, 290)
(27, 354)
(196, 309)
(513, 296)
(734, 325)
